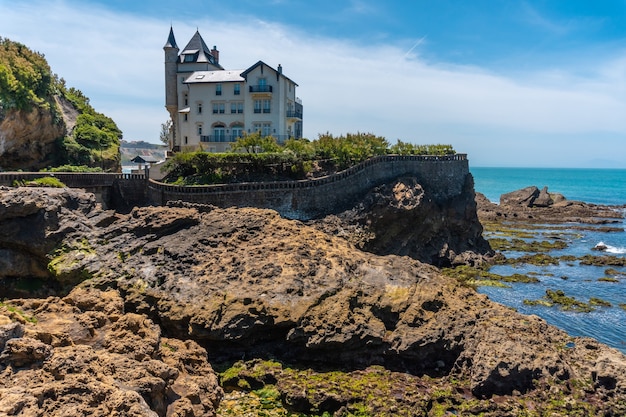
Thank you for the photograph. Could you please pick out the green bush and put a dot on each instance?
(26, 80)
(262, 159)
(51, 182)
(25, 77)
(73, 168)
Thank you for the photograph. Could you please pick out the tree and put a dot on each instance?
(255, 143)
(166, 129)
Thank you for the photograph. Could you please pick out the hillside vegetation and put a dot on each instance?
(257, 158)
(29, 87)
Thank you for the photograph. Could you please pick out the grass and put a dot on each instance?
(13, 309)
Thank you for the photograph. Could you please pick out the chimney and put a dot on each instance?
(280, 69)
(216, 54)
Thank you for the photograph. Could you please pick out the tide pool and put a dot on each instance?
(599, 186)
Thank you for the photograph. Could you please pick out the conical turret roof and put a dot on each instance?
(171, 41)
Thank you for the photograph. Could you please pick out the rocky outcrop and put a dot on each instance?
(248, 283)
(37, 138)
(28, 138)
(34, 224)
(83, 355)
(401, 218)
(532, 204)
(531, 197)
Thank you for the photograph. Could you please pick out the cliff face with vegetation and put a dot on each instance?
(399, 337)
(45, 124)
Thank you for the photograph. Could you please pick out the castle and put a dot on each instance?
(210, 107)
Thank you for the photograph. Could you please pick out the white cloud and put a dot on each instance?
(117, 59)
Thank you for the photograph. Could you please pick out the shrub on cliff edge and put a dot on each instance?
(27, 82)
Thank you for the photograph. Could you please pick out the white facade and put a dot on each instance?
(211, 107)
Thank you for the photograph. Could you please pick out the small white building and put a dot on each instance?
(210, 107)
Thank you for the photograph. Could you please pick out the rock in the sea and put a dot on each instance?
(531, 197)
(600, 246)
(544, 199)
(523, 197)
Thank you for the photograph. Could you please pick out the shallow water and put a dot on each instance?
(606, 324)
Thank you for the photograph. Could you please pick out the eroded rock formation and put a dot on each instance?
(27, 138)
(83, 355)
(401, 218)
(530, 204)
(248, 283)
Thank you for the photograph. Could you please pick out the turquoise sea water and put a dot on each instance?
(600, 186)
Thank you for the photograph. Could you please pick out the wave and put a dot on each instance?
(610, 249)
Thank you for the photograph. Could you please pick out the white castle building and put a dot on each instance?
(210, 107)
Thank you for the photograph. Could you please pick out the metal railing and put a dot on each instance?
(260, 88)
(294, 113)
(219, 138)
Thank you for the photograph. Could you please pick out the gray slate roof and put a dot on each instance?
(222, 76)
(196, 44)
(171, 41)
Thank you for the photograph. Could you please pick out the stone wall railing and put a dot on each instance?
(442, 176)
(71, 179)
(113, 190)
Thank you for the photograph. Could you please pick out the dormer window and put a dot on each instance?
(189, 58)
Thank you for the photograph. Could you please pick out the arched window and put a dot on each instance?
(219, 133)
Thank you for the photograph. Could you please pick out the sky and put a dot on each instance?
(515, 83)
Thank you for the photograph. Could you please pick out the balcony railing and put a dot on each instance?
(260, 88)
(219, 138)
(294, 114)
(232, 138)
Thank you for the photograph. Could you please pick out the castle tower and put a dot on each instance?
(171, 86)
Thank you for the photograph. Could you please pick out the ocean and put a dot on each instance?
(600, 186)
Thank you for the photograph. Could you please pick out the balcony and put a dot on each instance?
(219, 138)
(260, 88)
(294, 114)
(233, 138)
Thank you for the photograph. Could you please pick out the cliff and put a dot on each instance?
(43, 123)
(28, 139)
(403, 217)
(248, 283)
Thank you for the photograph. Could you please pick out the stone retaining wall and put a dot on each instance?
(112, 190)
(442, 176)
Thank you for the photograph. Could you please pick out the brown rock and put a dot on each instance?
(29, 139)
(523, 197)
(23, 351)
(402, 218)
(81, 361)
(246, 282)
(544, 199)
